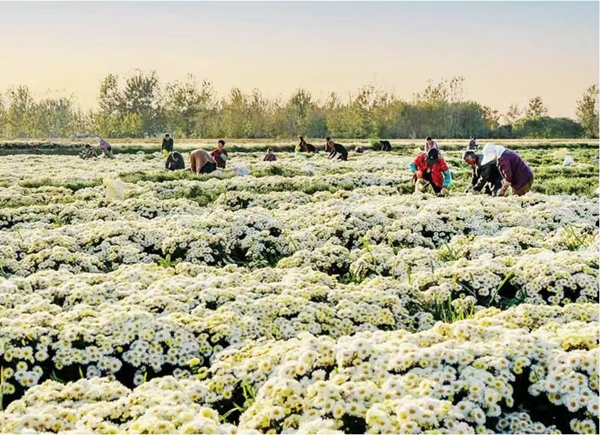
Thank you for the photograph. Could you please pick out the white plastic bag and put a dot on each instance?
(568, 160)
(115, 189)
(241, 170)
(309, 169)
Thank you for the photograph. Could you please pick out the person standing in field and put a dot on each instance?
(201, 162)
(485, 177)
(270, 157)
(335, 149)
(220, 155)
(473, 144)
(167, 145)
(430, 169)
(105, 148)
(430, 144)
(516, 173)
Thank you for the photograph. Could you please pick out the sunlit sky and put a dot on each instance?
(507, 52)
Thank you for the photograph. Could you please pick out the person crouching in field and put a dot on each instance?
(385, 145)
(430, 169)
(167, 145)
(305, 147)
(220, 155)
(516, 173)
(202, 162)
(87, 152)
(105, 148)
(270, 157)
(335, 149)
(175, 162)
(430, 144)
(485, 177)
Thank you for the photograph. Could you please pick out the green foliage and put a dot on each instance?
(141, 106)
(587, 111)
(545, 126)
(576, 238)
(448, 253)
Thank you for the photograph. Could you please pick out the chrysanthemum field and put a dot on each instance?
(311, 296)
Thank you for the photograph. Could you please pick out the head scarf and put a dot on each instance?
(491, 152)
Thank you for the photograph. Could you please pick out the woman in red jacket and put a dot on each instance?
(432, 170)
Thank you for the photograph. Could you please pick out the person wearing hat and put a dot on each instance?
(430, 144)
(175, 162)
(167, 145)
(270, 157)
(431, 169)
(485, 177)
(515, 172)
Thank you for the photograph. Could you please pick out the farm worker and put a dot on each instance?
(486, 177)
(270, 157)
(430, 169)
(473, 144)
(385, 145)
(201, 162)
(305, 147)
(430, 143)
(335, 149)
(87, 152)
(175, 161)
(106, 148)
(516, 173)
(167, 145)
(220, 154)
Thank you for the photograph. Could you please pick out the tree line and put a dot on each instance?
(140, 105)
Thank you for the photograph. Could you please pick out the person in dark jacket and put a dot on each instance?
(305, 147)
(385, 145)
(167, 145)
(87, 152)
(473, 144)
(516, 173)
(335, 149)
(175, 161)
(485, 177)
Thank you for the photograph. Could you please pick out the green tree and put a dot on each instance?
(587, 111)
(513, 114)
(142, 96)
(20, 116)
(536, 108)
(188, 108)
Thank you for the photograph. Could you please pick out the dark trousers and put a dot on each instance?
(208, 168)
(427, 177)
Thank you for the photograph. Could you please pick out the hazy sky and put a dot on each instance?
(507, 52)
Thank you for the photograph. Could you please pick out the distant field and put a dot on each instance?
(69, 146)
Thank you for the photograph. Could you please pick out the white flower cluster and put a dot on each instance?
(473, 375)
(307, 296)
